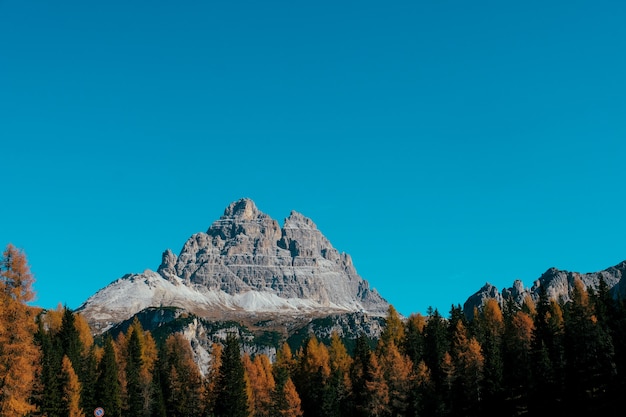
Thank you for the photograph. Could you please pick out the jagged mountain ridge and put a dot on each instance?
(245, 265)
(558, 285)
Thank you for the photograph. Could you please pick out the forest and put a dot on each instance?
(542, 357)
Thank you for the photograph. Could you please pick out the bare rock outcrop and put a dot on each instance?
(244, 263)
(558, 285)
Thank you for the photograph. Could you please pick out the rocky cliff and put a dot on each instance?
(244, 266)
(558, 285)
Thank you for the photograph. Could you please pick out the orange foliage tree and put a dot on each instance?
(19, 355)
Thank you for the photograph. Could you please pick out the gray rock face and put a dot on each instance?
(244, 265)
(246, 250)
(558, 285)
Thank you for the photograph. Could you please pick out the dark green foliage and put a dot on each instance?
(358, 376)
(90, 374)
(572, 360)
(158, 408)
(413, 342)
(436, 344)
(588, 353)
(70, 342)
(108, 391)
(231, 398)
(133, 382)
(50, 399)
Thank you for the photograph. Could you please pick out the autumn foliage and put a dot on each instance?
(544, 356)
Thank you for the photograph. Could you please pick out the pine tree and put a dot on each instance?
(284, 365)
(588, 350)
(108, 390)
(469, 365)
(490, 324)
(231, 398)
(337, 389)
(422, 401)
(358, 376)
(312, 374)
(414, 338)
(376, 391)
(157, 398)
(181, 381)
(436, 344)
(517, 372)
(547, 354)
(19, 354)
(134, 363)
(49, 396)
(90, 374)
(70, 341)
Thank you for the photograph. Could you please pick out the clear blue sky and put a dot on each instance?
(442, 144)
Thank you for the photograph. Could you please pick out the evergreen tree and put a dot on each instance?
(231, 398)
(469, 367)
(19, 353)
(547, 355)
(134, 387)
(337, 390)
(490, 329)
(589, 352)
(90, 375)
(69, 339)
(157, 402)
(436, 345)
(284, 365)
(49, 397)
(108, 390)
(181, 380)
(358, 376)
(422, 400)
(517, 372)
(414, 338)
(376, 391)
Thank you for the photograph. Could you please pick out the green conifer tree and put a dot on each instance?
(231, 398)
(133, 379)
(108, 387)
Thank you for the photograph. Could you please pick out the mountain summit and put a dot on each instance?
(245, 264)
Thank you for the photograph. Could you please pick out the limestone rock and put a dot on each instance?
(558, 285)
(245, 263)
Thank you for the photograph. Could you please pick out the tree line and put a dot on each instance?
(541, 357)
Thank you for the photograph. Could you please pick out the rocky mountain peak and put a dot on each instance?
(246, 263)
(244, 209)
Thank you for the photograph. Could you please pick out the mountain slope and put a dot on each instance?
(245, 265)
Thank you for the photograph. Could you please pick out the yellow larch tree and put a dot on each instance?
(398, 372)
(259, 372)
(19, 355)
(293, 405)
(71, 389)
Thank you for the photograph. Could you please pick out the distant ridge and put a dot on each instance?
(558, 285)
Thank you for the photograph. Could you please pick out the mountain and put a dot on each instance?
(245, 268)
(558, 285)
